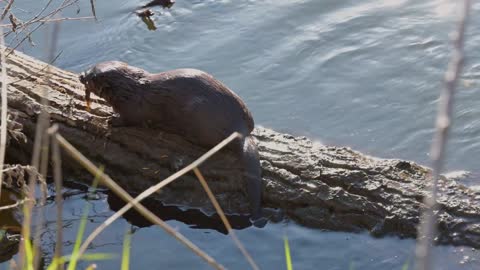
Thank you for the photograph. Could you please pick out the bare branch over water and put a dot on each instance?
(4, 108)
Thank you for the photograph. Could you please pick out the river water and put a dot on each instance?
(365, 74)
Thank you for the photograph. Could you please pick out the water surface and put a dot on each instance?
(365, 74)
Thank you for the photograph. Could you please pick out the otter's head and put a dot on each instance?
(111, 79)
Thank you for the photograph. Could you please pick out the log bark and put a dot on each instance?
(334, 188)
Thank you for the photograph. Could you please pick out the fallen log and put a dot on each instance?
(319, 186)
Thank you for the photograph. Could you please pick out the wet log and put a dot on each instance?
(334, 188)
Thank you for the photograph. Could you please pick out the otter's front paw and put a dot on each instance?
(116, 121)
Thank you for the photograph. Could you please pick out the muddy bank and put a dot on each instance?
(326, 187)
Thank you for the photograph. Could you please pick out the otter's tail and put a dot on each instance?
(253, 176)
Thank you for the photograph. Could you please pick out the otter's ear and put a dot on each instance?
(87, 76)
(81, 77)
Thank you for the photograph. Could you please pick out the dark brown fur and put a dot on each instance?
(188, 102)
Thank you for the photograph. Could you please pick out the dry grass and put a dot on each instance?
(57, 177)
(4, 108)
(6, 10)
(40, 158)
(224, 219)
(427, 228)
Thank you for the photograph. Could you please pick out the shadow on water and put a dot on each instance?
(196, 219)
(145, 13)
(10, 226)
(161, 3)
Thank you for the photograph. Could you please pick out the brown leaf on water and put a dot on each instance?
(162, 3)
(146, 15)
(14, 21)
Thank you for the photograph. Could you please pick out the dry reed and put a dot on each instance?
(4, 108)
(427, 227)
(224, 219)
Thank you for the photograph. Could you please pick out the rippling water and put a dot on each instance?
(366, 74)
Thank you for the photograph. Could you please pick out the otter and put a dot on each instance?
(187, 102)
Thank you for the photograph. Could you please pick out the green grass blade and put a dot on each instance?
(29, 254)
(406, 265)
(86, 257)
(288, 258)
(83, 223)
(55, 263)
(126, 251)
(97, 256)
(78, 241)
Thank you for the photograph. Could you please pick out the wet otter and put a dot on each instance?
(187, 102)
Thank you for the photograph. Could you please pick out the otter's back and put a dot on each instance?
(192, 103)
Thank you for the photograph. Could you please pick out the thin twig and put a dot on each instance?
(25, 38)
(92, 4)
(64, 5)
(224, 218)
(427, 229)
(106, 180)
(6, 10)
(35, 17)
(3, 116)
(55, 20)
(18, 203)
(37, 73)
(42, 10)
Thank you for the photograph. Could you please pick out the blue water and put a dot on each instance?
(365, 74)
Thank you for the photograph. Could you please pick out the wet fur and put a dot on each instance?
(187, 102)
